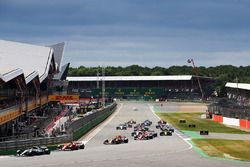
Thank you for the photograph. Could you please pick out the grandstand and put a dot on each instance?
(141, 87)
(235, 109)
(26, 81)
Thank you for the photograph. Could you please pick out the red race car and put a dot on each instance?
(116, 140)
(71, 146)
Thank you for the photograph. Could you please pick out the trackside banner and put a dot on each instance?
(65, 98)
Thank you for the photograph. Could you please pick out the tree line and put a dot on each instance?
(221, 74)
(224, 73)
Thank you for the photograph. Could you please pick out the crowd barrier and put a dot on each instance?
(232, 121)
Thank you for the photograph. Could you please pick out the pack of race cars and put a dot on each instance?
(140, 131)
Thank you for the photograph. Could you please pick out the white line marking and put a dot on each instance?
(95, 131)
(184, 139)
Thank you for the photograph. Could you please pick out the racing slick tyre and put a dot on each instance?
(105, 142)
(82, 146)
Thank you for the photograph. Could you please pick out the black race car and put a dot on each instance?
(116, 140)
(147, 123)
(165, 133)
(35, 150)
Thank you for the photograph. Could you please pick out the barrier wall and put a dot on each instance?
(218, 118)
(232, 121)
(245, 123)
(83, 125)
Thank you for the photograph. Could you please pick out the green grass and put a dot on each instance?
(231, 149)
(201, 124)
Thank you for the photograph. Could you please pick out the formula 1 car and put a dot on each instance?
(167, 127)
(153, 133)
(165, 133)
(147, 123)
(129, 125)
(71, 146)
(143, 136)
(116, 140)
(35, 150)
(140, 127)
(121, 127)
(131, 121)
(162, 122)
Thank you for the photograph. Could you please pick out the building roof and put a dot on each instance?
(238, 85)
(63, 73)
(19, 58)
(58, 53)
(132, 78)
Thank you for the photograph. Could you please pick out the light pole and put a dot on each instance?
(103, 86)
(196, 70)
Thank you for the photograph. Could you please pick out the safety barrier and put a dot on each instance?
(218, 118)
(83, 125)
(232, 121)
(20, 144)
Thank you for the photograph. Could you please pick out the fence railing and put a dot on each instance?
(231, 111)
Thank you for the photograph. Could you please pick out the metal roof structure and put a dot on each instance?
(132, 78)
(19, 58)
(63, 72)
(244, 86)
(58, 53)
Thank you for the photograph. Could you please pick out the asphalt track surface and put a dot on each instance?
(171, 151)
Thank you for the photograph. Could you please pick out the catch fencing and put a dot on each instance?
(240, 112)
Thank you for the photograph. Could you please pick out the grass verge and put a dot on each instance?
(230, 149)
(201, 124)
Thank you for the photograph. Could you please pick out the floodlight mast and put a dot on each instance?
(196, 70)
(103, 86)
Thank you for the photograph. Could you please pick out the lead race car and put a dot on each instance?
(35, 150)
(71, 146)
(116, 140)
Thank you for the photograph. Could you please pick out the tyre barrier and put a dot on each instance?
(204, 132)
(182, 121)
(191, 125)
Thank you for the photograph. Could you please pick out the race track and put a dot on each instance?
(164, 151)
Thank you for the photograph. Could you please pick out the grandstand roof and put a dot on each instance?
(63, 72)
(19, 58)
(132, 78)
(238, 85)
(58, 53)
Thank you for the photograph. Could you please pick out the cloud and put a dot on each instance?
(146, 32)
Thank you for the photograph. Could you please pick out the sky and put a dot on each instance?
(125, 32)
